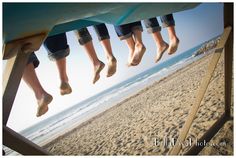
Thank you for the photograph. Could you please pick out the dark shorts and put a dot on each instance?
(56, 47)
(84, 36)
(33, 59)
(152, 24)
(125, 31)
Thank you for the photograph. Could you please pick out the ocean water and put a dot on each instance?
(57, 125)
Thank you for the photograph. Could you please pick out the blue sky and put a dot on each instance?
(192, 26)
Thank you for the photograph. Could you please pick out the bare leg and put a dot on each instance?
(64, 87)
(111, 59)
(174, 41)
(43, 98)
(61, 65)
(131, 46)
(97, 64)
(32, 81)
(162, 46)
(139, 48)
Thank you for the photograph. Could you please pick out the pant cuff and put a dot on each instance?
(168, 23)
(103, 38)
(140, 28)
(34, 60)
(85, 39)
(154, 29)
(59, 54)
(125, 36)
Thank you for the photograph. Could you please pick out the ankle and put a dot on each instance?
(131, 51)
(139, 44)
(64, 79)
(160, 44)
(110, 58)
(96, 63)
(173, 39)
(40, 95)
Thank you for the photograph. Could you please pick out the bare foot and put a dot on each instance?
(161, 51)
(65, 88)
(43, 104)
(129, 64)
(138, 54)
(97, 71)
(111, 67)
(173, 46)
(131, 53)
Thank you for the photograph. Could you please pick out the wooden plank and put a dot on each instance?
(196, 148)
(11, 80)
(200, 93)
(20, 144)
(228, 21)
(12, 76)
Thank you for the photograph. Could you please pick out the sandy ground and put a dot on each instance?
(142, 124)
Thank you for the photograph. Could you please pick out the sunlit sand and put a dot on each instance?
(147, 122)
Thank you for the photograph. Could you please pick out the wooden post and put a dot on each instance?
(228, 21)
(228, 46)
(21, 144)
(208, 135)
(201, 91)
(18, 53)
(11, 80)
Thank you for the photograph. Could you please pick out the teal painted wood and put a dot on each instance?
(26, 19)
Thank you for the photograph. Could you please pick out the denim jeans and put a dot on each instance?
(33, 59)
(125, 31)
(152, 24)
(56, 46)
(84, 36)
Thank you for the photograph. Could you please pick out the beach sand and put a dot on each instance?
(142, 123)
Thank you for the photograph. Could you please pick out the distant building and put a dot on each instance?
(207, 46)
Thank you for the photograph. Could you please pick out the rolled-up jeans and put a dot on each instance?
(84, 36)
(56, 47)
(152, 24)
(127, 30)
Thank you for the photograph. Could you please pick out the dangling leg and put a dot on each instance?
(154, 28)
(61, 66)
(169, 22)
(174, 41)
(58, 50)
(161, 45)
(131, 33)
(43, 98)
(97, 64)
(110, 57)
(139, 47)
(85, 40)
(104, 38)
(131, 46)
